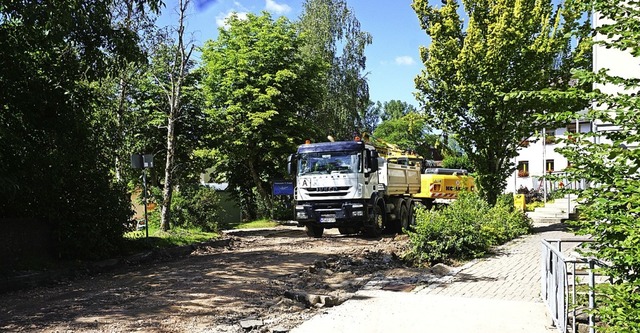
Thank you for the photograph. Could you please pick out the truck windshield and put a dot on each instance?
(329, 162)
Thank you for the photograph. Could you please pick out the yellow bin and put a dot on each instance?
(519, 202)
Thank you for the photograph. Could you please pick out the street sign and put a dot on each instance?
(283, 187)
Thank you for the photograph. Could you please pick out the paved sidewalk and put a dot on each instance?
(496, 294)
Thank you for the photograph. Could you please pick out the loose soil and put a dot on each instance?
(255, 284)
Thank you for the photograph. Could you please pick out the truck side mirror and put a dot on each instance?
(373, 161)
(291, 167)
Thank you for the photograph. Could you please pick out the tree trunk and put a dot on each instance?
(167, 192)
(174, 96)
(264, 194)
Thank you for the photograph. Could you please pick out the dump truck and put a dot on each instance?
(353, 186)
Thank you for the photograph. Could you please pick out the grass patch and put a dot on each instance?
(137, 240)
(263, 223)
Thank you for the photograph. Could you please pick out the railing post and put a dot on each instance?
(592, 297)
(574, 296)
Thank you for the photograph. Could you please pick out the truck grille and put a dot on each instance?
(327, 191)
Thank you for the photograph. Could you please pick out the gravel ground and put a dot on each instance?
(262, 281)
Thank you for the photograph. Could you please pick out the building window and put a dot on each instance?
(523, 169)
(571, 128)
(549, 166)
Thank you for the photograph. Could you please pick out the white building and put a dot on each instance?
(540, 157)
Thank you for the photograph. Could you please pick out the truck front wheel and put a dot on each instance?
(376, 224)
(314, 231)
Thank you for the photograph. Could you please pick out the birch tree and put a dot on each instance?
(333, 36)
(173, 92)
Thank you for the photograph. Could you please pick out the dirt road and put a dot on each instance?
(260, 282)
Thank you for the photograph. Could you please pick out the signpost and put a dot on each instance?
(140, 161)
(282, 187)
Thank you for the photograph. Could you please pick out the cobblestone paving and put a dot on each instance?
(513, 273)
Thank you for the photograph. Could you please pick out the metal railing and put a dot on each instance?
(562, 289)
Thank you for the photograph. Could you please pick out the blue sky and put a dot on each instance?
(393, 58)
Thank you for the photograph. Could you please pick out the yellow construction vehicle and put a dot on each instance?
(436, 183)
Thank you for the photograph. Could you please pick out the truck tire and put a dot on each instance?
(376, 223)
(412, 216)
(314, 231)
(404, 218)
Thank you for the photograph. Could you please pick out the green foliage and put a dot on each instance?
(396, 109)
(408, 132)
(609, 207)
(333, 38)
(257, 84)
(506, 47)
(457, 162)
(262, 223)
(137, 241)
(369, 117)
(465, 229)
(56, 167)
(193, 206)
(619, 309)
(281, 210)
(533, 205)
(146, 130)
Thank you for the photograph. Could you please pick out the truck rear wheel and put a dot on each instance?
(404, 218)
(314, 231)
(376, 224)
(412, 215)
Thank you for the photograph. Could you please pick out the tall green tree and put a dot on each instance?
(396, 109)
(507, 46)
(257, 86)
(333, 36)
(609, 161)
(55, 168)
(148, 120)
(369, 117)
(408, 131)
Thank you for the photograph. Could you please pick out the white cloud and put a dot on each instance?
(221, 19)
(276, 8)
(404, 60)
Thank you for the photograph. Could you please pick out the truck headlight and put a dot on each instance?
(301, 215)
(357, 210)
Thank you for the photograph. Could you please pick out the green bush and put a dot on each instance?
(282, 208)
(506, 200)
(465, 229)
(533, 205)
(618, 306)
(457, 162)
(196, 206)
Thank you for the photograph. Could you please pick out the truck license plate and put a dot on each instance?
(327, 219)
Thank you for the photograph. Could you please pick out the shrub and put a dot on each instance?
(466, 229)
(195, 206)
